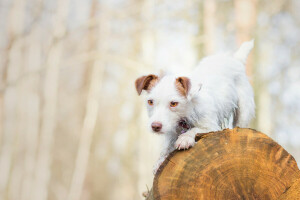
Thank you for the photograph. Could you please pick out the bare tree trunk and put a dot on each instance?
(147, 35)
(209, 8)
(245, 16)
(11, 71)
(50, 90)
(90, 118)
(32, 109)
(43, 170)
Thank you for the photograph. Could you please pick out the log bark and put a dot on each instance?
(230, 164)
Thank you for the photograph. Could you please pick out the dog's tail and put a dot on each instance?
(243, 51)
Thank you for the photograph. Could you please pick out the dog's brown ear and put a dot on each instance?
(183, 85)
(145, 83)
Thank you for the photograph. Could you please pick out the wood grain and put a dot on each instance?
(230, 164)
(293, 193)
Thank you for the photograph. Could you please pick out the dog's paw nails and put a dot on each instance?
(184, 142)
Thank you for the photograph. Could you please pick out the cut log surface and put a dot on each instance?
(230, 164)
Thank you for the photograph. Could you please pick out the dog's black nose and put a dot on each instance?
(156, 126)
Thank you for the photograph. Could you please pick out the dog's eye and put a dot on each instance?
(173, 104)
(150, 102)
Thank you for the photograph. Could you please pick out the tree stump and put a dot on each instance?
(230, 164)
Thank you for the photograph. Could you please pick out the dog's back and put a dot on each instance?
(223, 78)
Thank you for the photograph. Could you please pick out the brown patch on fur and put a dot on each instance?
(183, 85)
(145, 83)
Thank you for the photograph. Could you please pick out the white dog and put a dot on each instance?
(180, 107)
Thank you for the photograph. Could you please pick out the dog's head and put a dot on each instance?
(166, 100)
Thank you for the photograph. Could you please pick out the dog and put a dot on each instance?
(217, 92)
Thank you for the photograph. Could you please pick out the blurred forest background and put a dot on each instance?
(71, 124)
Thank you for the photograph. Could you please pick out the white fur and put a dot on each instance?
(244, 50)
(220, 92)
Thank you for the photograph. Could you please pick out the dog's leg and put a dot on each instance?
(187, 139)
(164, 154)
(168, 147)
(246, 103)
(159, 162)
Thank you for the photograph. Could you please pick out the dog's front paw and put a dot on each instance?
(184, 141)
